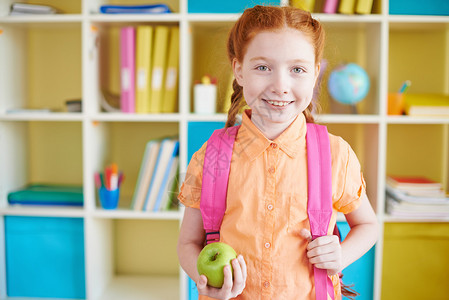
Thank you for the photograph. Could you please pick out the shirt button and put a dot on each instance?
(274, 145)
(266, 284)
(270, 207)
(267, 245)
(271, 170)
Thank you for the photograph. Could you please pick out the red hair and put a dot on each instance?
(269, 18)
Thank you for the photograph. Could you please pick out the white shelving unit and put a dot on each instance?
(96, 136)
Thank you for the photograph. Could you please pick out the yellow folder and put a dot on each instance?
(159, 67)
(364, 6)
(346, 6)
(143, 68)
(170, 95)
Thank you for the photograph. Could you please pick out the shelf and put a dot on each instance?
(123, 117)
(416, 120)
(390, 219)
(51, 116)
(35, 19)
(44, 211)
(357, 119)
(129, 214)
(142, 288)
(135, 18)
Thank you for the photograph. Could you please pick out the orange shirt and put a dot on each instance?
(267, 206)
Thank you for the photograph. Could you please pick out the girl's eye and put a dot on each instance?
(298, 70)
(262, 68)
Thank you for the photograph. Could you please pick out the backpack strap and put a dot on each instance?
(319, 203)
(216, 167)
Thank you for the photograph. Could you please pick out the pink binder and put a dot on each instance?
(330, 6)
(128, 69)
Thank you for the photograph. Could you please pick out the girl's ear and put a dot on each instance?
(237, 69)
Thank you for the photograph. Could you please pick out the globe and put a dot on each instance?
(348, 83)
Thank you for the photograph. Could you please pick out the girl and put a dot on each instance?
(275, 54)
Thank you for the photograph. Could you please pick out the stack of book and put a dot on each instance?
(416, 198)
(149, 59)
(157, 183)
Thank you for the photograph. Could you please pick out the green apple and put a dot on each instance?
(211, 261)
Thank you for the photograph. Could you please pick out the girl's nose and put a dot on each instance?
(280, 84)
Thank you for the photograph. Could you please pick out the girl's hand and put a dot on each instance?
(229, 289)
(324, 252)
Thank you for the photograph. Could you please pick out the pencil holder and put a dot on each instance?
(109, 199)
(395, 103)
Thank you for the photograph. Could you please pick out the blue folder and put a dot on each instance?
(47, 194)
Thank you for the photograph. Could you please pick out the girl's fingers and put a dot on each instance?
(227, 282)
(243, 266)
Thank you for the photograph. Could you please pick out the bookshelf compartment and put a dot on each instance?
(105, 70)
(423, 145)
(209, 57)
(363, 140)
(415, 261)
(42, 65)
(63, 7)
(233, 6)
(358, 43)
(45, 257)
(124, 143)
(416, 7)
(93, 6)
(421, 41)
(140, 253)
(41, 152)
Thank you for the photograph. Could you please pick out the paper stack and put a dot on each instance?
(416, 198)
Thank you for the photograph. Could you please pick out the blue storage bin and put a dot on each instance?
(198, 133)
(232, 6)
(361, 272)
(419, 7)
(45, 257)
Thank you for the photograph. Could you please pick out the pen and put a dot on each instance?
(405, 86)
(97, 180)
(113, 184)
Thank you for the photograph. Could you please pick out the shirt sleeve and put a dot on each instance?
(190, 192)
(350, 185)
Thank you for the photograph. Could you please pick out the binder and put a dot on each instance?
(159, 64)
(127, 69)
(170, 96)
(167, 151)
(145, 174)
(346, 6)
(144, 42)
(330, 7)
(48, 194)
(135, 9)
(364, 6)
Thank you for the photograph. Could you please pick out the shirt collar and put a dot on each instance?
(255, 143)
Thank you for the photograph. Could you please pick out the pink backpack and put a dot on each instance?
(319, 207)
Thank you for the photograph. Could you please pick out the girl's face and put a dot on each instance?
(278, 74)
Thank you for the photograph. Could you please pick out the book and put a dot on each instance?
(127, 69)
(168, 147)
(31, 9)
(410, 183)
(145, 174)
(135, 9)
(304, 4)
(170, 96)
(144, 46)
(407, 210)
(417, 199)
(330, 6)
(346, 6)
(170, 201)
(167, 183)
(364, 6)
(432, 105)
(48, 194)
(159, 67)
